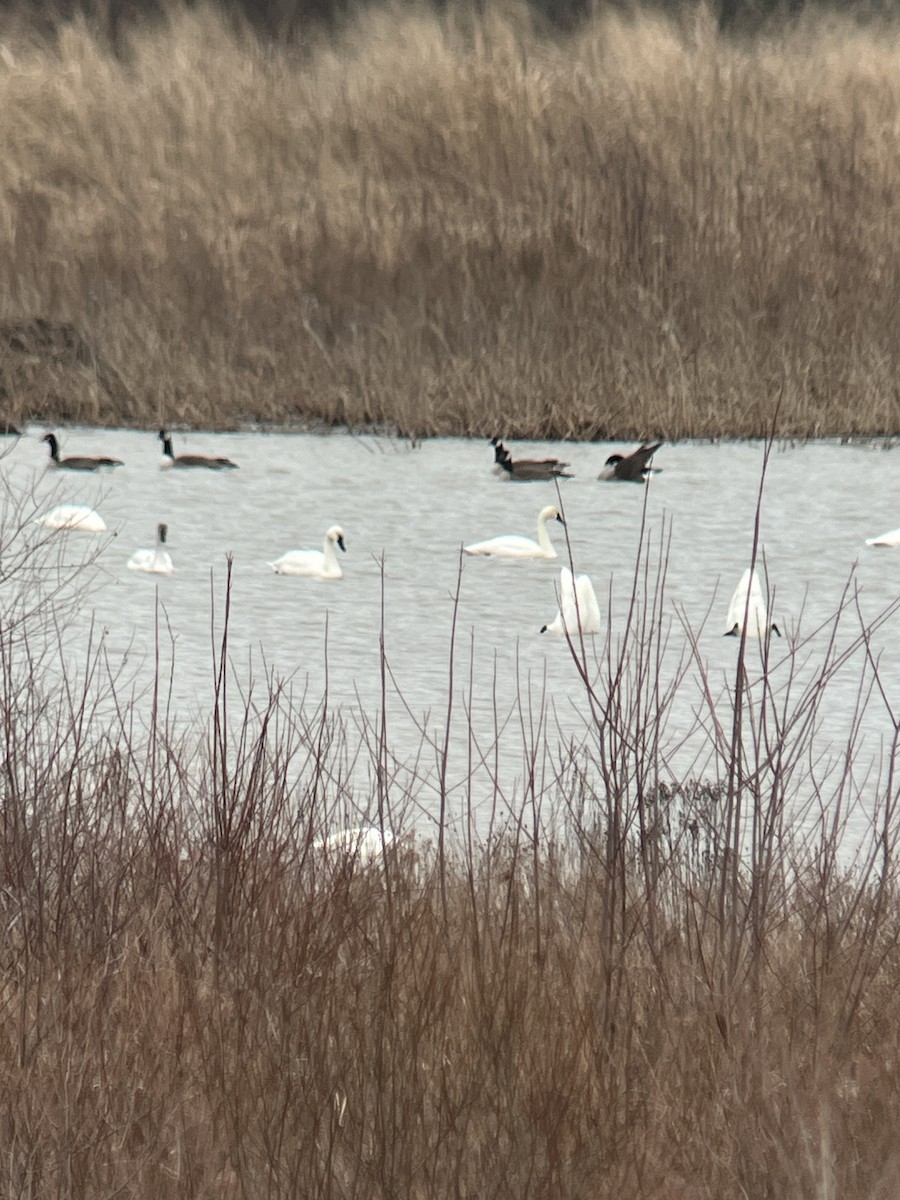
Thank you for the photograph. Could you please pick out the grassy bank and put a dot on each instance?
(637, 985)
(456, 227)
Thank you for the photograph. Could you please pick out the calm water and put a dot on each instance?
(411, 509)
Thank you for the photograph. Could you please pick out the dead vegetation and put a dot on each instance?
(455, 225)
(639, 984)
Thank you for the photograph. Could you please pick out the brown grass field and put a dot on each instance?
(450, 225)
(635, 986)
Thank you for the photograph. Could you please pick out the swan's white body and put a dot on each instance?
(578, 607)
(748, 600)
(885, 539)
(513, 546)
(362, 846)
(321, 564)
(73, 516)
(156, 561)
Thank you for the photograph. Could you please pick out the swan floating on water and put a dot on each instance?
(156, 561)
(321, 564)
(512, 545)
(73, 516)
(748, 599)
(364, 845)
(578, 607)
(891, 538)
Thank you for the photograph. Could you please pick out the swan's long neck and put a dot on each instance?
(331, 559)
(544, 538)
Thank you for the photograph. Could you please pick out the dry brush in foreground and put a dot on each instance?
(637, 986)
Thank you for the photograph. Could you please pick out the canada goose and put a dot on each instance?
(322, 564)
(578, 607)
(527, 468)
(634, 467)
(514, 546)
(748, 599)
(73, 516)
(76, 463)
(170, 459)
(885, 539)
(502, 453)
(156, 561)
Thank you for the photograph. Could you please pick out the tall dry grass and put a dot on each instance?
(643, 985)
(456, 225)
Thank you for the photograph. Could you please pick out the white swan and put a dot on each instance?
(156, 561)
(748, 599)
(73, 516)
(885, 539)
(578, 607)
(513, 546)
(322, 564)
(362, 846)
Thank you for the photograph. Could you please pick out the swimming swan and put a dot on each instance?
(73, 516)
(885, 539)
(170, 459)
(156, 561)
(513, 546)
(323, 564)
(76, 463)
(634, 467)
(362, 846)
(748, 598)
(578, 607)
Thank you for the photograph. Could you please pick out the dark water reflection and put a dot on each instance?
(406, 512)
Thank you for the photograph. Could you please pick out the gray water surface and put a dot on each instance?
(406, 511)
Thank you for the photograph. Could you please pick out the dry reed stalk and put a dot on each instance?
(643, 984)
(454, 225)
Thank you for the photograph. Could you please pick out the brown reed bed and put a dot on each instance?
(455, 225)
(641, 984)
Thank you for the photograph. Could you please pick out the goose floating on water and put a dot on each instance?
(514, 546)
(527, 468)
(73, 516)
(504, 463)
(189, 461)
(634, 467)
(748, 600)
(77, 462)
(578, 607)
(321, 564)
(157, 561)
